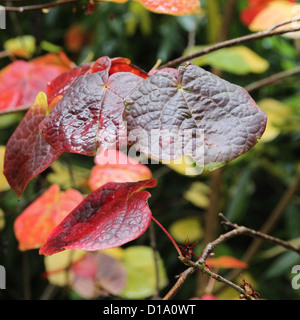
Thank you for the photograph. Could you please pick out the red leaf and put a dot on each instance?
(109, 217)
(62, 83)
(27, 153)
(125, 65)
(226, 262)
(115, 166)
(21, 81)
(89, 117)
(33, 226)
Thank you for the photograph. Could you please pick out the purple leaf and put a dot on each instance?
(89, 117)
(193, 112)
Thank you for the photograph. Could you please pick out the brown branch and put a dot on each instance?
(38, 6)
(200, 264)
(14, 110)
(229, 43)
(272, 79)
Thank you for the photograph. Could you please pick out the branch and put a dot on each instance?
(200, 264)
(14, 110)
(229, 43)
(273, 78)
(38, 6)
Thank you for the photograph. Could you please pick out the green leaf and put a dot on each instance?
(237, 60)
(141, 282)
(189, 227)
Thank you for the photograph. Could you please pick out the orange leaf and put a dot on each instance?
(226, 262)
(173, 7)
(33, 226)
(275, 12)
(115, 166)
(255, 7)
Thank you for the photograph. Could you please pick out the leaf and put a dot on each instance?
(3, 182)
(276, 12)
(112, 215)
(21, 81)
(254, 8)
(184, 228)
(278, 114)
(226, 262)
(23, 46)
(75, 37)
(98, 274)
(62, 83)
(172, 7)
(194, 113)
(115, 166)
(68, 177)
(198, 194)
(89, 117)
(34, 224)
(57, 266)
(185, 166)
(141, 272)
(237, 60)
(27, 153)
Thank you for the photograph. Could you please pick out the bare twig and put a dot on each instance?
(272, 79)
(14, 110)
(38, 6)
(200, 264)
(229, 43)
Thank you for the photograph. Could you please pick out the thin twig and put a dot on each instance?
(272, 79)
(229, 43)
(38, 6)
(200, 264)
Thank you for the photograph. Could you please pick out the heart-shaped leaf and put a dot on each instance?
(33, 226)
(89, 117)
(109, 217)
(193, 112)
(27, 153)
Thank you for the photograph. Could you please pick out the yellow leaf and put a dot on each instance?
(186, 228)
(3, 182)
(66, 177)
(185, 166)
(277, 114)
(57, 265)
(277, 12)
(237, 60)
(198, 194)
(2, 219)
(117, 253)
(23, 46)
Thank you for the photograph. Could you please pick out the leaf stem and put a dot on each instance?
(169, 236)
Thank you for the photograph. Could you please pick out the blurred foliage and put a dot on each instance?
(251, 185)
